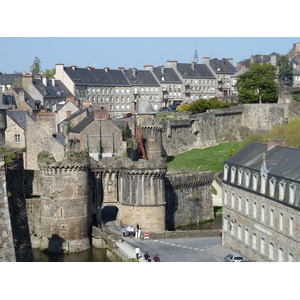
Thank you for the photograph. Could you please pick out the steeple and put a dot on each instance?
(195, 59)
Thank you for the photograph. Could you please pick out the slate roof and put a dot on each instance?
(222, 66)
(8, 79)
(74, 115)
(18, 116)
(99, 77)
(200, 71)
(281, 162)
(57, 91)
(169, 75)
(143, 77)
(84, 123)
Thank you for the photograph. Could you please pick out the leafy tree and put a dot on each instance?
(183, 107)
(49, 72)
(201, 105)
(285, 70)
(257, 84)
(35, 68)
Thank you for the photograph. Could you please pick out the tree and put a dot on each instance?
(201, 105)
(285, 70)
(49, 72)
(35, 68)
(257, 84)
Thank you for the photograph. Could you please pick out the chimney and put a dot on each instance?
(193, 65)
(172, 64)
(148, 67)
(162, 69)
(100, 113)
(106, 69)
(230, 60)
(277, 142)
(59, 72)
(44, 81)
(53, 81)
(122, 69)
(133, 72)
(73, 67)
(205, 60)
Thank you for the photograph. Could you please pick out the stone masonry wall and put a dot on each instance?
(7, 250)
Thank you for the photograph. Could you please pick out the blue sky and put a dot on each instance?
(17, 53)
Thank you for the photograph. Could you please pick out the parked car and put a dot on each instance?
(234, 257)
(128, 115)
(164, 109)
(119, 117)
(173, 107)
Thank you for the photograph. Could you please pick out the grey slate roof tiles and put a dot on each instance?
(143, 77)
(84, 76)
(222, 66)
(200, 71)
(169, 75)
(280, 161)
(8, 79)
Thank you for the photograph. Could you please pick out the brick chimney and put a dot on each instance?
(100, 113)
(277, 142)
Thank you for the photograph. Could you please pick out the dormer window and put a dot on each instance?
(255, 180)
(225, 175)
(247, 178)
(263, 183)
(292, 192)
(232, 177)
(272, 184)
(282, 185)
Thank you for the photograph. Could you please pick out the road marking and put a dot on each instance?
(179, 246)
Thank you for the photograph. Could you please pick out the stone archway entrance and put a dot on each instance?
(109, 213)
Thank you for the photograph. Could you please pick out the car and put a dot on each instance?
(119, 117)
(234, 257)
(173, 107)
(164, 109)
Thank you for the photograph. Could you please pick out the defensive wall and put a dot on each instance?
(221, 125)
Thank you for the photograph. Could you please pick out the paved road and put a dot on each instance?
(183, 250)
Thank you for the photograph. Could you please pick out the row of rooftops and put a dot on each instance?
(173, 73)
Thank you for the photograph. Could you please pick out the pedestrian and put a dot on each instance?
(137, 252)
(156, 258)
(132, 231)
(123, 231)
(139, 233)
(147, 257)
(127, 230)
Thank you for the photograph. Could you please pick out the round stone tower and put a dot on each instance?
(142, 196)
(153, 140)
(65, 207)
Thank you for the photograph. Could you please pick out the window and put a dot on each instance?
(17, 138)
(240, 203)
(240, 232)
(247, 178)
(225, 197)
(280, 254)
(233, 169)
(254, 240)
(291, 225)
(263, 184)
(254, 209)
(262, 213)
(272, 187)
(225, 175)
(271, 251)
(255, 179)
(280, 221)
(262, 246)
(232, 200)
(240, 176)
(291, 257)
(282, 185)
(292, 193)
(247, 236)
(271, 217)
(247, 207)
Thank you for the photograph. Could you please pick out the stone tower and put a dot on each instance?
(65, 207)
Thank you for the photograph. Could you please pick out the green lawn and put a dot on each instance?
(207, 159)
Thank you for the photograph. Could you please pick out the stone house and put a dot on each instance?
(98, 135)
(108, 88)
(261, 201)
(197, 79)
(143, 85)
(223, 70)
(170, 83)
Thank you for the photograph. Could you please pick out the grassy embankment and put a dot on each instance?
(206, 159)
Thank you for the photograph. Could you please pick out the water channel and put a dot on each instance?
(99, 255)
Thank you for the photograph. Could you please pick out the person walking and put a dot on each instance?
(156, 258)
(147, 257)
(137, 252)
(123, 231)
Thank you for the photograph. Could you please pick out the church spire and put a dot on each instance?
(195, 59)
